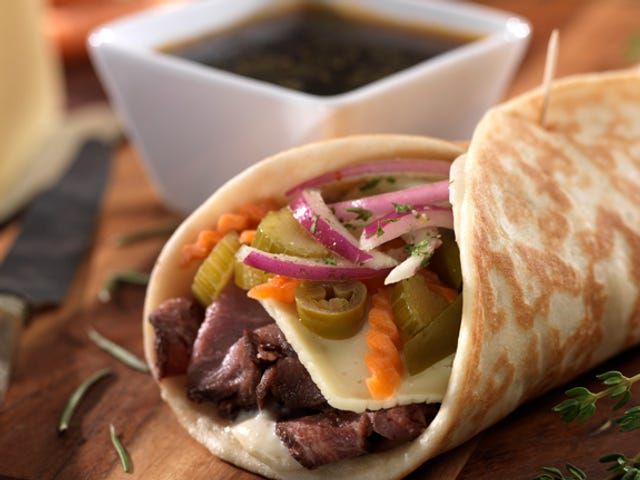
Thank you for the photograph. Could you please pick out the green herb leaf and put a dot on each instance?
(402, 207)
(77, 395)
(370, 185)
(159, 230)
(361, 213)
(314, 225)
(125, 356)
(123, 455)
(630, 420)
(115, 281)
(553, 473)
(330, 261)
(391, 179)
(379, 231)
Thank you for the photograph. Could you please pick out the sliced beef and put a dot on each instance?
(231, 385)
(175, 323)
(398, 425)
(271, 344)
(288, 387)
(223, 365)
(324, 438)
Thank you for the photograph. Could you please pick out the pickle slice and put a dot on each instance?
(445, 261)
(247, 277)
(415, 305)
(279, 232)
(333, 310)
(216, 270)
(436, 340)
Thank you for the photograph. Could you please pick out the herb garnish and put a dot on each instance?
(125, 459)
(402, 207)
(391, 179)
(379, 231)
(159, 230)
(553, 473)
(314, 225)
(77, 396)
(622, 468)
(330, 261)
(125, 356)
(361, 213)
(581, 404)
(370, 185)
(116, 280)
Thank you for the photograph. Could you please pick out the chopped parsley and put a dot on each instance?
(361, 213)
(314, 225)
(391, 179)
(329, 261)
(379, 231)
(370, 185)
(402, 207)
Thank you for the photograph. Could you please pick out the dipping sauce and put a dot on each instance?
(317, 49)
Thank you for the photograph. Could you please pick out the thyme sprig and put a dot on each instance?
(553, 473)
(115, 281)
(581, 404)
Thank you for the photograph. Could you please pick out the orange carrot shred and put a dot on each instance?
(279, 288)
(232, 222)
(383, 341)
(247, 236)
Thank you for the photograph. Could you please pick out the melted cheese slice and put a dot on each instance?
(337, 366)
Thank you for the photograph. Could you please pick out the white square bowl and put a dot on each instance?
(197, 126)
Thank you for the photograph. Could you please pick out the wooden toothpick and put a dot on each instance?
(549, 73)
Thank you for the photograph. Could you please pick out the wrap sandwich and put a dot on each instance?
(526, 274)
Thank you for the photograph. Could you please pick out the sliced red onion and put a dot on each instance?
(378, 205)
(314, 215)
(408, 268)
(304, 268)
(394, 225)
(383, 167)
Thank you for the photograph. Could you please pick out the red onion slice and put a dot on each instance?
(394, 225)
(307, 269)
(378, 205)
(382, 167)
(314, 215)
(409, 267)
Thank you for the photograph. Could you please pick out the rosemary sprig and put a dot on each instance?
(125, 356)
(553, 473)
(123, 455)
(581, 404)
(77, 395)
(116, 280)
(159, 230)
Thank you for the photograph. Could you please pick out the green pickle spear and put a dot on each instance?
(279, 232)
(445, 261)
(216, 270)
(414, 305)
(333, 310)
(436, 340)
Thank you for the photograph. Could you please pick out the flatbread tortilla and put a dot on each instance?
(548, 225)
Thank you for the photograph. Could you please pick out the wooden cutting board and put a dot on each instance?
(55, 354)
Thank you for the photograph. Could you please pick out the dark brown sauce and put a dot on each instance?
(318, 50)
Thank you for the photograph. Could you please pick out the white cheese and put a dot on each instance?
(256, 433)
(337, 367)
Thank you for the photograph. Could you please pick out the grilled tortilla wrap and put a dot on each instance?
(549, 233)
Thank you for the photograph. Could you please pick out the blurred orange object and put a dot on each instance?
(68, 22)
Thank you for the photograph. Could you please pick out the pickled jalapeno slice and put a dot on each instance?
(279, 232)
(435, 341)
(215, 271)
(414, 305)
(445, 261)
(333, 310)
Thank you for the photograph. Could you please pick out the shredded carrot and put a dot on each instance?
(247, 217)
(383, 342)
(247, 236)
(278, 287)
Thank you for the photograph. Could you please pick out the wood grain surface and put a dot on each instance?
(55, 353)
